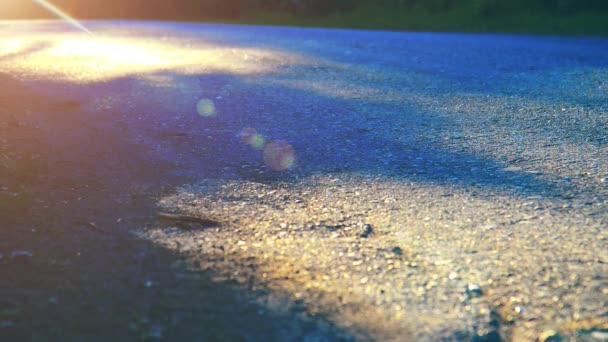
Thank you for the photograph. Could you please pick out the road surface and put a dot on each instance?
(312, 184)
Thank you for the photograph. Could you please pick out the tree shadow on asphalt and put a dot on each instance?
(124, 289)
(329, 135)
(509, 67)
(72, 270)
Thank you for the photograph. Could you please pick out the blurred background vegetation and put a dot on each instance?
(579, 17)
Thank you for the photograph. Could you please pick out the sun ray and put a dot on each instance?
(61, 14)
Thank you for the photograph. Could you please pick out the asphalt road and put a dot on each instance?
(364, 185)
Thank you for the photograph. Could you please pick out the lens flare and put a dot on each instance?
(61, 14)
(279, 155)
(246, 134)
(257, 142)
(205, 107)
(252, 138)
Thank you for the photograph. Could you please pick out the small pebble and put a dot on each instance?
(156, 331)
(397, 250)
(549, 336)
(474, 290)
(6, 324)
(367, 231)
(316, 336)
(18, 254)
(600, 335)
(492, 336)
(171, 231)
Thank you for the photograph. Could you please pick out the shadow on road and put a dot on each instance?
(71, 269)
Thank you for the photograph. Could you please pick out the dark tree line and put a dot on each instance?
(233, 9)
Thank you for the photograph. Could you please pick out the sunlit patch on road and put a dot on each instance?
(82, 59)
(11, 46)
(205, 108)
(105, 53)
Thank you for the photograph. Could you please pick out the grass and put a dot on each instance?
(456, 20)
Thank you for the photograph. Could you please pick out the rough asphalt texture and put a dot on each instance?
(446, 187)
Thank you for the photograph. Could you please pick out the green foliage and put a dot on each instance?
(481, 7)
(303, 7)
(530, 16)
(208, 9)
(578, 17)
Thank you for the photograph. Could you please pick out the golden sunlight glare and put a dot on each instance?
(61, 14)
(77, 58)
